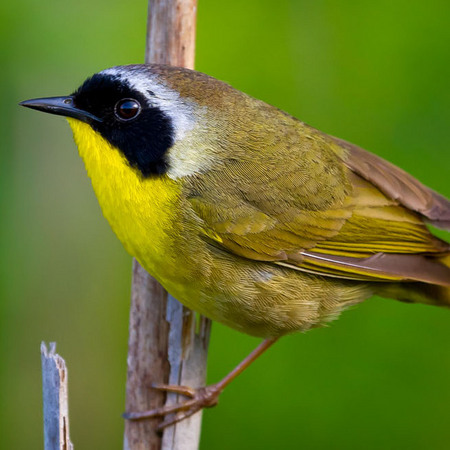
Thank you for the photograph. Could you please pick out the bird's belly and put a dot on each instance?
(261, 299)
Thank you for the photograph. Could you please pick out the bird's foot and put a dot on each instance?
(205, 397)
(200, 398)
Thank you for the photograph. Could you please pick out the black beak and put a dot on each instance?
(61, 106)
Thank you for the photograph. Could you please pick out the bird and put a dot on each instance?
(246, 214)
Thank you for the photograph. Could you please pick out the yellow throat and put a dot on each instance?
(141, 211)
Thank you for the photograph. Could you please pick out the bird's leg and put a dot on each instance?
(200, 398)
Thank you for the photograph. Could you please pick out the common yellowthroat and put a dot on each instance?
(246, 214)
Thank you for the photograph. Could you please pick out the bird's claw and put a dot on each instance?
(205, 397)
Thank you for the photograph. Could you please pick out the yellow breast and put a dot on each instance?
(141, 211)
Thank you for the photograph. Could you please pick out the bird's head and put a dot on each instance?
(144, 111)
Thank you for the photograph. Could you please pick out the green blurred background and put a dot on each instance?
(375, 73)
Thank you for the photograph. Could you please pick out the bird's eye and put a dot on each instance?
(127, 109)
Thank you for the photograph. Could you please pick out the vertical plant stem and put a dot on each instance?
(147, 358)
(165, 344)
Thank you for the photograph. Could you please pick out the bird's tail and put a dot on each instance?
(417, 292)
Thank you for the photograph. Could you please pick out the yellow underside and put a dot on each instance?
(142, 212)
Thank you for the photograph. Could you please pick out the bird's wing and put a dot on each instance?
(322, 216)
(381, 240)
